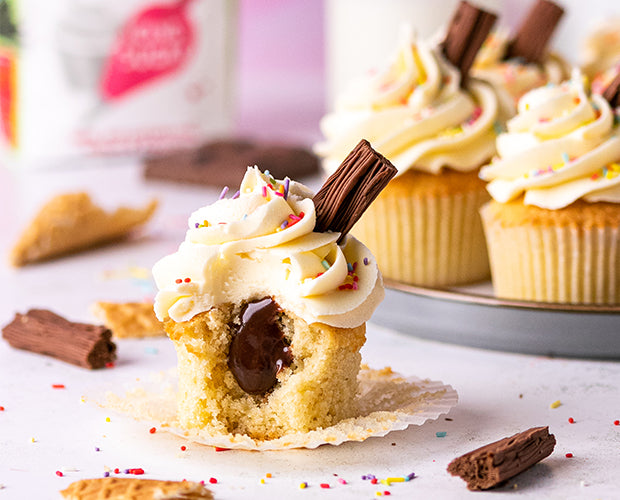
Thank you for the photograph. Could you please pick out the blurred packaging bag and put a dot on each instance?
(91, 77)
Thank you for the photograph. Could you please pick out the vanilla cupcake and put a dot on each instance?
(515, 65)
(267, 315)
(424, 228)
(600, 50)
(513, 77)
(553, 226)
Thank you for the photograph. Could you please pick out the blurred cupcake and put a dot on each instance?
(600, 51)
(424, 228)
(553, 226)
(512, 77)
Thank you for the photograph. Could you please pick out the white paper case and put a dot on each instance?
(387, 402)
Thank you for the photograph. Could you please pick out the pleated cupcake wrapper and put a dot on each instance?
(427, 241)
(387, 402)
(572, 265)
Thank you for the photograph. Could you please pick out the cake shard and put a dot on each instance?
(530, 42)
(44, 332)
(71, 222)
(495, 463)
(612, 92)
(120, 488)
(129, 319)
(349, 191)
(465, 35)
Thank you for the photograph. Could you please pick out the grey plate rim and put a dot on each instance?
(487, 300)
(482, 321)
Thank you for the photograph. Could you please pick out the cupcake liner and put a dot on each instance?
(427, 240)
(569, 264)
(387, 402)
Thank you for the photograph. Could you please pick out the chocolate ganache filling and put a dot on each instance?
(259, 350)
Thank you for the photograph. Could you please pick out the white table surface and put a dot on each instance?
(500, 393)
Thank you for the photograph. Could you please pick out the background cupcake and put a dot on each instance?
(516, 65)
(553, 227)
(437, 129)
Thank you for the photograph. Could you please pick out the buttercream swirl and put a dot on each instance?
(416, 113)
(511, 78)
(562, 146)
(260, 243)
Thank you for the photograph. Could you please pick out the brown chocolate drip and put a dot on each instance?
(612, 92)
(349, 191)
(497, 462)
(259, 351)
(223, 162)
(466, 33)
(533, 35)
(44, 332)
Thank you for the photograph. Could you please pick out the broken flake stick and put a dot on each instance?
(44, 332)
(491, 465)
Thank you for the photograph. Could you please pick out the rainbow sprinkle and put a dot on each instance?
(223, 193)
(350, 282)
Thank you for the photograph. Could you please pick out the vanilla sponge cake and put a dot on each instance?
(266, 314)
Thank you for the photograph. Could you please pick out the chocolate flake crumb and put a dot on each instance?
(533, 35)
(43, 332)
(495, 463)
(466, 33)
(349, 191)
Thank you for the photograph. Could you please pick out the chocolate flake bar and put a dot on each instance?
(532, 37)
(223, 162)
(466, 33)
(349, 191)
(495, 463)
(44, 332)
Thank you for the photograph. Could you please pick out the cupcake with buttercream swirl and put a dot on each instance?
(553, 226)
(423, 228)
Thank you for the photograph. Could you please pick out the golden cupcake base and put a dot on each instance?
(425, 229)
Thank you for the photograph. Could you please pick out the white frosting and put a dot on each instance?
(259, 244)
(562, 146)
(512, 78)
(415, 113)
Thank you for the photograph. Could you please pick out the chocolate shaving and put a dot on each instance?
(531, 40)
(466, 33)
(349, 191)
(44, 332)
(495, 463)
(612, 92)
(223, 162)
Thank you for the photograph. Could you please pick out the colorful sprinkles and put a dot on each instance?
(350, 282)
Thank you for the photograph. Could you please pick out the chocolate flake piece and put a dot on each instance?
(466, 33)
(532, 37)
(223, 162)
(44, 332)
(491, 465)
(612, 92)
(349, 191)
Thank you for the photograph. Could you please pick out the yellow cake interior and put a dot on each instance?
(316, 390)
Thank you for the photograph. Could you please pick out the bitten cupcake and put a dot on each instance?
(553, 226)
(513, 66)
(266, 302)
(437, 130)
